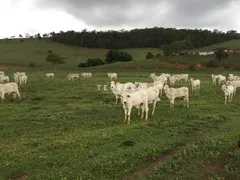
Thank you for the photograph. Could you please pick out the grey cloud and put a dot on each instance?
(145, 13)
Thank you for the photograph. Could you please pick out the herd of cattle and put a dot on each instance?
(138, 94)
(71, 76)
(205, 53)
(8, 88)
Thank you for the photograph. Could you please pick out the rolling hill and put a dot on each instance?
(33, 51)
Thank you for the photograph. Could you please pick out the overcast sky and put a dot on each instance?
(44, 16)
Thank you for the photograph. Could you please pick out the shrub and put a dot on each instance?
(117, 55)
(211, 64)
(94, 62)
(124, 56)
(82, 65)
(149, 55)
(158, 56)
(32, 65)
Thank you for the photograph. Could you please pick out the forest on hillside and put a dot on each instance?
(156, 37)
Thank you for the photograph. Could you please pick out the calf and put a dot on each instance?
(129, 100)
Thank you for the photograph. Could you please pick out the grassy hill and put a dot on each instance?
(233, 44)
(34, 51)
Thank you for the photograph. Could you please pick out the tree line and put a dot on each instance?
(156, 37)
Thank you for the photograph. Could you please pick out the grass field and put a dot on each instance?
(64, 129)
(70, 130)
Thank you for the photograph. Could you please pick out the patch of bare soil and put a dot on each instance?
(18, 176)
(216, 166)
(220, 67)
(201, 133)
(182, 66)
(6, 66)
(72, 107)
(199, 66)
(159, 162)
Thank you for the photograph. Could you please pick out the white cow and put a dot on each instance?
(173, 93)
(9, 88)
(153, 93)
(86, 74)
(182, 77)
(22, 79)
(159, 85)
(17, 76)
(221, 79)
(118, 88)
(235, 84)
(162, 78)
(228, 92)
(4, 79)
(152, 75)
(173, 79)
(214, 79)
(153, 96)
(50, 75)
(143, 85)
(195, 84)
(138, 99)
(2, 73)
(112, 76)
(72, 76)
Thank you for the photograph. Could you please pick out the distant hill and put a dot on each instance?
(156, 37)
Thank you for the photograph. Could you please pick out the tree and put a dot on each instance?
(39, 37)
(221, 54)
(54, 59)
(20, 36)
(27, 35)
(167, 50)
(45, 35)
(174, 39)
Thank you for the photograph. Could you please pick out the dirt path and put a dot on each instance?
(141, 172)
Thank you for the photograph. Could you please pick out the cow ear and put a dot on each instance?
(128, 96)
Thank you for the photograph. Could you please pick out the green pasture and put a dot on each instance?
(63, 129)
